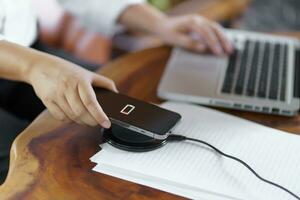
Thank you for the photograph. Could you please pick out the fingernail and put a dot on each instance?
(106, 124)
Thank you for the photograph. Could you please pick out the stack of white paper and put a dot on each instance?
(195, 171)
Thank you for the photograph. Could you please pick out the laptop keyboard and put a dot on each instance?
(258, 70)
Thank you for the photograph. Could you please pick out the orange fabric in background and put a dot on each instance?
(59, 29)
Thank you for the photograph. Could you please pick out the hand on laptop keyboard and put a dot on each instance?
(195, 33)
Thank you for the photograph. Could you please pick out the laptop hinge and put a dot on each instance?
(297, 74)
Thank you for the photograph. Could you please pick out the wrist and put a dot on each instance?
(37, 62)
(143, 17)
(159, 25)
(14, 61)
(32, 64)
(156, 21)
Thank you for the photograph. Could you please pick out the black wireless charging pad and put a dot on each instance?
(129, 140)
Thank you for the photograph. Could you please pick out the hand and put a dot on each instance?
(66, 90)
(195, 33)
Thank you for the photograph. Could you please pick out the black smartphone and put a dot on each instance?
(139, 116)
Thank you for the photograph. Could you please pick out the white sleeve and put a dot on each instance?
(18, 22)
(98, 15)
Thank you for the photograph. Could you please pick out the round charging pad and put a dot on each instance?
(129, 140)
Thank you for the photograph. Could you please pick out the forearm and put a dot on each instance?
(65, 88)
(142, 17)
(16, 61)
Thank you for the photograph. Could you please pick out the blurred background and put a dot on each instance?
(61, 31)
(261, 15)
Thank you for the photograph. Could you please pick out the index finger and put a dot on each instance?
(89, 100)
(210, 38)
(226, 43)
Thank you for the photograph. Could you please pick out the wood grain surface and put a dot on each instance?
(50, 159)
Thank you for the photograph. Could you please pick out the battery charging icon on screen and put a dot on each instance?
(127, 109)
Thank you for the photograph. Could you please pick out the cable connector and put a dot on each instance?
(176, 138)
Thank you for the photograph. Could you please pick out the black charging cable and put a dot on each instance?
(180, 138)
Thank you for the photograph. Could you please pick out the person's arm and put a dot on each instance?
(65, 88)
(97, 15)
(190, 31)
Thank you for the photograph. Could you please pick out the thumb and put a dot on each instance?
(101, 81)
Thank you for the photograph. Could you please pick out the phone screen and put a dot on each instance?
(130, 111)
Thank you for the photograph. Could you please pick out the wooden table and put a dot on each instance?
(50, 159)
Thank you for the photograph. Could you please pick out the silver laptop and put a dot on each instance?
(262, 75)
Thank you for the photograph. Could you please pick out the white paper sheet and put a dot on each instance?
(198, 170)
(159, 184)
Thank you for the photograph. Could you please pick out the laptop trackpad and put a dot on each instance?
(196, 74)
